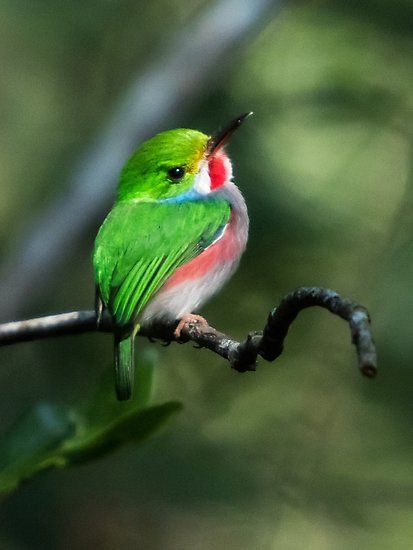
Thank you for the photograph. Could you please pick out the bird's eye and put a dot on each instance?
(176, 173)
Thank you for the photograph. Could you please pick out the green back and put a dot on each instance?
(140, 244)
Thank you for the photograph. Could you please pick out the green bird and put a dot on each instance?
(173, 237)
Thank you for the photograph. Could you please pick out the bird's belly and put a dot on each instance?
(192, 284)
(172, 302)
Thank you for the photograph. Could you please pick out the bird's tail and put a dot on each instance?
(124, 364)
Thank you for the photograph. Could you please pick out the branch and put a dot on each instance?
(157, 98)
(242, 356)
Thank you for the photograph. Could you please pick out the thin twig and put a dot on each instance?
(242, 356)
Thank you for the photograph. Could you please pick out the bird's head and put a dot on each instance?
(178, 164)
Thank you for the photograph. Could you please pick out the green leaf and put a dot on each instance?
(30, 441)
(133, 426)
(52, 436)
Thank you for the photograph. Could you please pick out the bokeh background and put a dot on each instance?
(304, 453)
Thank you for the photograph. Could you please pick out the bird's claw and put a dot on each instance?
(99, 317)
(186, 320)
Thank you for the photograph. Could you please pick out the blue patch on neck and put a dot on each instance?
(190, 195)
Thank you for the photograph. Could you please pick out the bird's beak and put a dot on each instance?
(220, 139)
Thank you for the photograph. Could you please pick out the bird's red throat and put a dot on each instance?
(219, 168)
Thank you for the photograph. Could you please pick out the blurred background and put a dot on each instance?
(304, 453)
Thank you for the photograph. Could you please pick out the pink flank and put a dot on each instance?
(225, 249)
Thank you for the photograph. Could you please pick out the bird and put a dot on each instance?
(173, 237)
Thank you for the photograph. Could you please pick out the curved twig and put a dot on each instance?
(242, 356)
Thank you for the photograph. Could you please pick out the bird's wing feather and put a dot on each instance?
(141, 244)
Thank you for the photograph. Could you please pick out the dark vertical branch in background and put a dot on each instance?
(185, 66)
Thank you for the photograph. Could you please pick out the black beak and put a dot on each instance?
(221, 138)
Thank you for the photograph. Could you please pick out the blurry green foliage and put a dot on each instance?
(304, 453)
(49, 436)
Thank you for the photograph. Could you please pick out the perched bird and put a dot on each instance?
(173, 237)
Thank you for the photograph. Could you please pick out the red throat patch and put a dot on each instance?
(218, 170)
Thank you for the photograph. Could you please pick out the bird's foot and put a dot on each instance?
(99, 315)
(98, 309)
(186, 320)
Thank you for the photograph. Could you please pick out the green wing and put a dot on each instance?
(141, 244)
